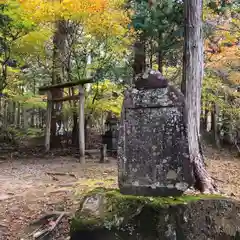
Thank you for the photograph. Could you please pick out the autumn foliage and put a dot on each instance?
(102, 16)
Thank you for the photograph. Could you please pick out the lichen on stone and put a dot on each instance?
(153, 147)
(127, 213)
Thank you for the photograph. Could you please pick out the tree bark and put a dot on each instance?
(160, 61)
(75, 129)
(160, 54)
(25, 118)
(139, 64)
(18, 118)
(81, 125)
(58, 70)
(191, 87)
(13, 112)
(48, 121)
(5, 111)
(216, 126)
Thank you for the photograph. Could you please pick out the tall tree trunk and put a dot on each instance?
(59, 49)
(191, 87)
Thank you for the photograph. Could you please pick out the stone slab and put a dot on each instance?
(153, 151)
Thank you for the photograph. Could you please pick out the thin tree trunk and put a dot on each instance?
(13, 112)
(0, 106)
(9, 111)
(139, 56)
(5, 108)
(160, 61)
(18, 118)
(160, 54)
(81, 125)
(25, 118)
(151, 54)
(216, 126)
(206, 117)
(33, 109)
(48, 121)
(191, 86)
(75, 128)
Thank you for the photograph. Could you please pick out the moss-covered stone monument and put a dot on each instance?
(153, 176)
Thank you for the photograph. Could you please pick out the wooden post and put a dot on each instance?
(48, 121)
(81, 125)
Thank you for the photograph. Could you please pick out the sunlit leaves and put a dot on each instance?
(101, 16)
(33, 43)
(18, 21)
(104, 96)
(47, 10)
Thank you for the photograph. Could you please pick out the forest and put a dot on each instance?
(64, 68)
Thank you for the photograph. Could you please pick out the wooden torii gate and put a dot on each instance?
(50, 101)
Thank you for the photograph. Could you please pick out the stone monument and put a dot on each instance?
(153, 155)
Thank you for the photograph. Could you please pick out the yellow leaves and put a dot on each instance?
(235, 77)
(110, 22)
(105, 100)
(39, 10)
(86, 6)
(102, 18)
(228, 59)
(33, 42)
(50, 10)
(227, 54)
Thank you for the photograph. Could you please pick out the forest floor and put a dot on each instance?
(29, 188)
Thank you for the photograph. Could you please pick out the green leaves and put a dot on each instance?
(221, 7)
(216, 91)
(104, 96)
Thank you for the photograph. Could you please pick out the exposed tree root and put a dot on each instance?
(238, 149)
(47, 224)
(204, 183)
(47, 216)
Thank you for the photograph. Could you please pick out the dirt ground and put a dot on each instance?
(28, 189)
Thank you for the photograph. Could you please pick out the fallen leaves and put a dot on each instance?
(33, 192)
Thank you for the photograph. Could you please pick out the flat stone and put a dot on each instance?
(200, 217)
(153, 151)
(92, 205)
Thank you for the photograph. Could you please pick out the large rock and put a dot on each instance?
(153, 150)
(109, 215)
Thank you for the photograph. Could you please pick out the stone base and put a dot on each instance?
(109, 215)
(149, 191)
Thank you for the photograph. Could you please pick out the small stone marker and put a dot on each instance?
(153, 151)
